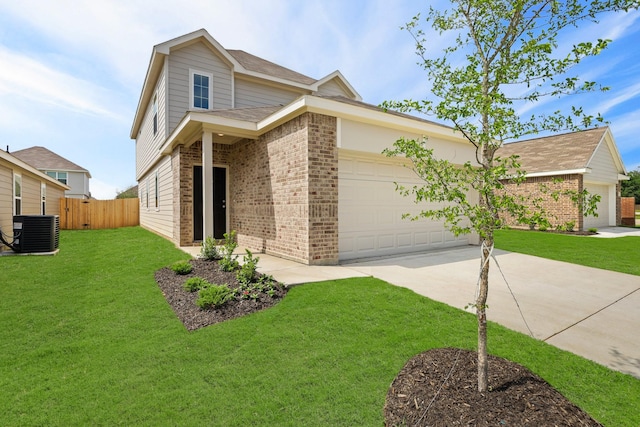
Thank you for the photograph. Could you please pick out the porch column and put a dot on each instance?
(207, 184)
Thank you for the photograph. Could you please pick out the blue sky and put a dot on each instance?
(71, 71)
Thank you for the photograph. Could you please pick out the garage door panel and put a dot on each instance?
(602, 220)
(370, 212)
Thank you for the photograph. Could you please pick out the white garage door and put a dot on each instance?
(602, 220)
(370, 212)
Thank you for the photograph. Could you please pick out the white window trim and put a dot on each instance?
(57, 176)
(147, 195)
(43, 198)
(154, 115)
(210, 94)
(17, 177)
(157, 192)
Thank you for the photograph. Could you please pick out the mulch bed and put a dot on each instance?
(435, 388)
(439, 388)
(184, 305)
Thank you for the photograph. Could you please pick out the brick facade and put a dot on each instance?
(284, 194)
(559, 212)
(283, 190)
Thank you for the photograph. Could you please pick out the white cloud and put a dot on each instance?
(622, 96)
(24, 77)
(101, 190)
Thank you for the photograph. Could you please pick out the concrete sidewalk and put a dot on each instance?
(587, 311)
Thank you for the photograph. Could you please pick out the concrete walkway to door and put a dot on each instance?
(587, 311)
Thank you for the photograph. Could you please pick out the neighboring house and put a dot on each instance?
(129, 193)
(229, 141)
(573, 161)
(57, 167)
(24, 190)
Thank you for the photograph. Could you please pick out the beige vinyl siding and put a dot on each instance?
(6, 200)
(603, 168)
(253, 94)
(199, 58)
(158, 219)
(53, 195)
(148, 144)
(30, 195)
(332, 88)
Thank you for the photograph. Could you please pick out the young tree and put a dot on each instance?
(631, 188)
(506, 53)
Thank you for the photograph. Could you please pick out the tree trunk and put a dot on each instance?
(481, 313)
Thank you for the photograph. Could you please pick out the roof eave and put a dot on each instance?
(579, 171)
(12, 159)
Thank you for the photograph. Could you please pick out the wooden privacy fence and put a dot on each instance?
(83, 214)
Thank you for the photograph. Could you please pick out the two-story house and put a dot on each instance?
(57, 167)
(229, 141)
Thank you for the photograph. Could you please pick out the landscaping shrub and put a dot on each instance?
(248, 270)
(193, 284)
(182, 267)
(229, 261)
(214, 296)
(209, 250)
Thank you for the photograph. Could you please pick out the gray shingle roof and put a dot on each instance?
(568, 151)
(44, 159)
(249, 114)
(259, 65)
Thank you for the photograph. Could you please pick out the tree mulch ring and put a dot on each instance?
(440, 388)
(193, 317)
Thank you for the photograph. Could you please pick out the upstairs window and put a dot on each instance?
(60, 176)
(201, 89)
(17, 194)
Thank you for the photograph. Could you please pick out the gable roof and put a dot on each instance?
(46, 160)
(241, 63)
(564, 153)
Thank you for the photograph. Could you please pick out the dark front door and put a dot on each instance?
(219, 203)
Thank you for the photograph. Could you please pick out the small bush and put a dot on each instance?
(569, 225)
(248, 270)
(214, 296)
(229, 261)
(193, 284)
(182, 267)
(593, 230)
(209, 250)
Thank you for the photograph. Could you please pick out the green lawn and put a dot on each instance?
(620, 254)
(87, 338)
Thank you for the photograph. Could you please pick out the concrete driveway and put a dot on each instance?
(587, 311)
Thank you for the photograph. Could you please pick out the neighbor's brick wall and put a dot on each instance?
(284, 190)
(626, 211)
(561, 211)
